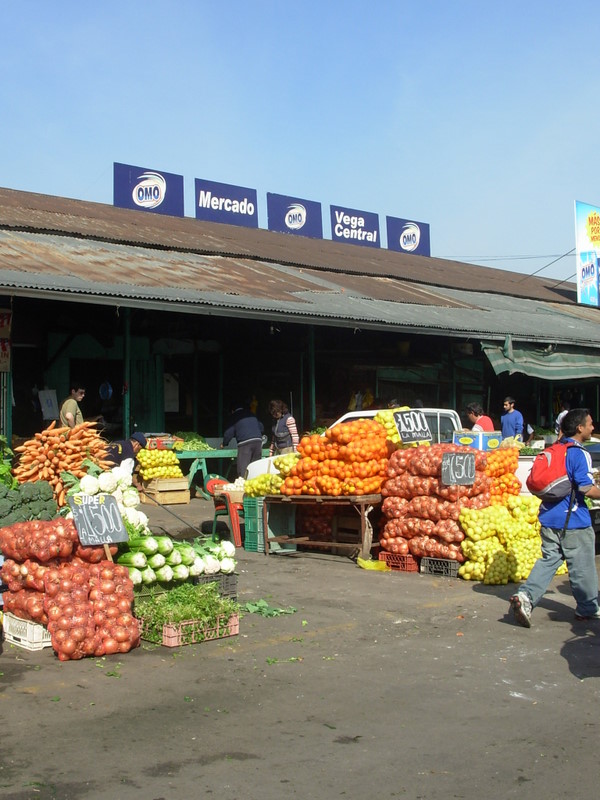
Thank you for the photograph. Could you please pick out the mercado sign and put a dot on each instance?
(354, 227)
(408, 236)
(147, 190)
(293, 215)
(224, 202)
(587, 244)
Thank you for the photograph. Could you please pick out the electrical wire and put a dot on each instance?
(568, 253)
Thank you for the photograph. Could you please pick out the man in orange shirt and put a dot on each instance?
(478, 419)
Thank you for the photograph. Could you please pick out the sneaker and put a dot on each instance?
(521, 608)
(582, 617)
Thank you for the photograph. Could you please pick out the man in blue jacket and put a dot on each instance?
(575, 543)
(247, 430)
(511, 422)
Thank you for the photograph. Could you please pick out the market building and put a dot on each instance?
(168, 320)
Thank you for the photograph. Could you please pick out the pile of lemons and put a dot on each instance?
(158, 464)
(502, 542)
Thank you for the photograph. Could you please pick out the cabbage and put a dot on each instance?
(89, 485)
(212, 565)
(107, 482)
(227, 565)
(131, 497)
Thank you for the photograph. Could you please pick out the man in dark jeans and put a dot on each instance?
(247, 430)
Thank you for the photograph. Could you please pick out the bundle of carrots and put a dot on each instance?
(57, 450)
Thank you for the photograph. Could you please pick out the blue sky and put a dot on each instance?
(481, 119)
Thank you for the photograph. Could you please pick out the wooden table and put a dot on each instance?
(363, 504)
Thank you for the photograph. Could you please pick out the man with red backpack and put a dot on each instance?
(566, 530)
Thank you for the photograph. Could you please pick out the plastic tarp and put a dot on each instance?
(549, 362)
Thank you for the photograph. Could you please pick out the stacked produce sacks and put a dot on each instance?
(52, 579)
(422, 513)
(349, 459)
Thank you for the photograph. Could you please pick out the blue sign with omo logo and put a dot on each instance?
(144, 189)
(293, 215)
(408, 236)
(223, 202)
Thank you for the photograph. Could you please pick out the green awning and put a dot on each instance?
(551, 362)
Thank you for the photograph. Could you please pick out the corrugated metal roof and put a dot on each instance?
(42, 213)
(49, 265)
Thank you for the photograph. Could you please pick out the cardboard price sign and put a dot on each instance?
(412, 426)
(97, 519)
(458, 469)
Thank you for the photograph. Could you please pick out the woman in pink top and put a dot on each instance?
(478, 419)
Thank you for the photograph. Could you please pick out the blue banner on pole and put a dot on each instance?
(223, 202)
(354, 227)
(294, 215)
(147, 190)
(408, 236)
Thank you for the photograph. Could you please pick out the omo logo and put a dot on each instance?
(295, 217)
(588, 272)
(150, 191)
(410, 237)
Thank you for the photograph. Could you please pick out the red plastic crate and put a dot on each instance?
(399, 563)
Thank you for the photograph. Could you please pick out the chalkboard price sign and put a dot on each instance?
(97, 519)
(458, 468)
(412, 426)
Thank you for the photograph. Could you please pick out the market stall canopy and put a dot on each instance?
(550, 362)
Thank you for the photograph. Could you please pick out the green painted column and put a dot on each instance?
(127, 372)
(312, 376)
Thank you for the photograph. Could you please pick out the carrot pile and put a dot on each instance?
(57, 450)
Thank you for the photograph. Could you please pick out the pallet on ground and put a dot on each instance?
(166, 491)
(24, 633)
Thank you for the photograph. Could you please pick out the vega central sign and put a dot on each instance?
(354, 227)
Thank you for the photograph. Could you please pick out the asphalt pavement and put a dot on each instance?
(361, 684)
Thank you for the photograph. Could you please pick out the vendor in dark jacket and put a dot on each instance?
(118, 451)
(247, 430)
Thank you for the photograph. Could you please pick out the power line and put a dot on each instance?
(568, 253)
(507, 258)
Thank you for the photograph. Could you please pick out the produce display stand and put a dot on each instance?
(199, 459)
(363, 504)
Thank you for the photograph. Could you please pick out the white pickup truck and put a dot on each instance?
(443, 422)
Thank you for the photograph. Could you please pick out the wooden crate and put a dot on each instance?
(166, 491)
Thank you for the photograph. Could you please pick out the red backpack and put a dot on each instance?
(548, 478)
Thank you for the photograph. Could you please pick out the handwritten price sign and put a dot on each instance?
(97, 519)
(458, 468)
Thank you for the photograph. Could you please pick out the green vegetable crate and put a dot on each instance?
(281, 522)
(194, 632)
(24, 633)
(227, 585)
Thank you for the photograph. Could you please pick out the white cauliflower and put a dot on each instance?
(89, 485)
(197, 568)
(131, 497)
(143, 518)
(227, 565)
(131, 515)
(227, 549)
(212, 565)
(107, 482)
(123, 474)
